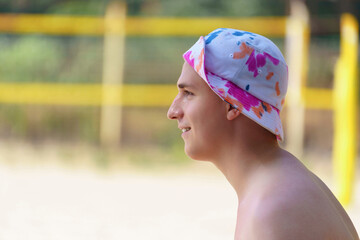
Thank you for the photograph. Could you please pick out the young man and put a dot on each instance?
(231, 90)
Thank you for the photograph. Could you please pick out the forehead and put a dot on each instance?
(190, 78)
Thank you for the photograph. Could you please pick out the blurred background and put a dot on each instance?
(76, 165)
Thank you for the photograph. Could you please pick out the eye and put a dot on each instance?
(188, 93)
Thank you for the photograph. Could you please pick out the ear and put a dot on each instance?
(232, 113)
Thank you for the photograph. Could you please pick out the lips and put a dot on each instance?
(184, 129)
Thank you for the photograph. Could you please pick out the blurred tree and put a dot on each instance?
(50, 59)
(29, 58)
(223, 8)
(150, 7)
(26, 6)
(134, 6)
(53, 6)
(78, 7)
(325, 14)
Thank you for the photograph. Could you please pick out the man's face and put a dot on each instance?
(200, 113)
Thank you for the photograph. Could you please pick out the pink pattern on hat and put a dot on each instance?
(247, 99)
(256, 61)
(239, 97)
(187, 58)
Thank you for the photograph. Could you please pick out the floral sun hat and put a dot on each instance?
(246, 70)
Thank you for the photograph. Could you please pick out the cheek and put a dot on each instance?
(202, 143)
(212, 131)
(209, 129)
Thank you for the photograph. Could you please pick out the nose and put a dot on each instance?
(175, 111)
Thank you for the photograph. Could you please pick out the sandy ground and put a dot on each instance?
(62, 204)
(52, 202)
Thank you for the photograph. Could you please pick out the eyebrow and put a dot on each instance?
(184, 85)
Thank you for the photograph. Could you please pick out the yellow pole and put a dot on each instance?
(297, 44)
(113, 68)
(345, 110)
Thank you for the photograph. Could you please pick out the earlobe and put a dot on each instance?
(233, 113)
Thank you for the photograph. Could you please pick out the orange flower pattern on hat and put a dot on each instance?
(269, 76)
(201, 60)
(244, 50)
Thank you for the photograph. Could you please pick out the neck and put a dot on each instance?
(243, 158)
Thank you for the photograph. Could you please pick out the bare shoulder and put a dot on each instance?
(291, 204)
(288, 219)
(297, 217)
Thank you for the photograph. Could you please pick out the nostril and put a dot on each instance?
(170, 113)
(172, 116)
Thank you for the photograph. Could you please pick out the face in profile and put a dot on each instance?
(200, 113)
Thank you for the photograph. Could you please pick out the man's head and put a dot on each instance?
(201, 115)
(245, 70)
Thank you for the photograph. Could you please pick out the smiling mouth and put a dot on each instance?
(185, 130)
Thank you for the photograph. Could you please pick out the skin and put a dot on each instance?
(278, 197)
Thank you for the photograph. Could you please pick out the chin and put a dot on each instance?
(195, 154)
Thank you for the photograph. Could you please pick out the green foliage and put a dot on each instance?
(38, 123)
(255, 8)
(13, 122)
(202, 8)
(50, 59)
(29, 58)
(150, 7)
(78, 8)
(155, 60)
(83, 7)
(193, 8)
(321, 73)
(83, 61)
